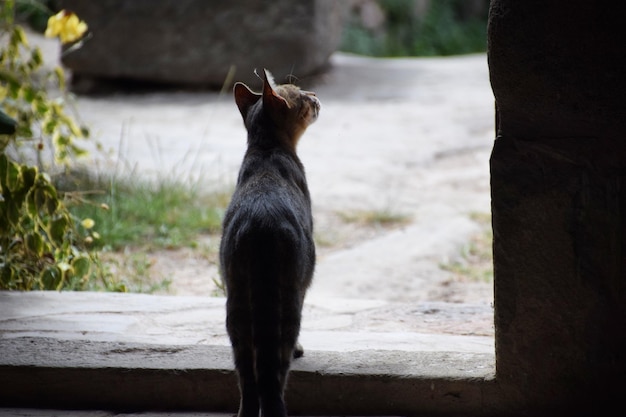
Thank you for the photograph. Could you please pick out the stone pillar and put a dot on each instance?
(558, 169)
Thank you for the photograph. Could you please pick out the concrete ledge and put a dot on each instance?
(48, 361)
(131, 376)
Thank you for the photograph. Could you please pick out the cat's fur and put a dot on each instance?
(267, 254)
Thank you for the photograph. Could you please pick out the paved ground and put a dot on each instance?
(405, 136)
(73, 348)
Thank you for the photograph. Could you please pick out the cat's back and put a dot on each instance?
(268, 225)
(271, 194)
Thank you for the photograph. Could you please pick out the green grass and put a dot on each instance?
(374, 218)
(133, 220)
(475, 262)
(440, 32)
(166, 215)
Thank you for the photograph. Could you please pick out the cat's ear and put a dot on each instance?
(271, 100)
(245, 98)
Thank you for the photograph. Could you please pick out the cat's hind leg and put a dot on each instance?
(267, 341)
(291, 318)
(270, 379)
(249, 402)
(238, 324)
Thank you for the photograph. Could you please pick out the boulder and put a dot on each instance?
(204, 43)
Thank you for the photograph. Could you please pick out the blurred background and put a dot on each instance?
(209, 44)
(392, 28)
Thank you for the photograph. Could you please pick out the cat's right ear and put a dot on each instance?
(245, 98)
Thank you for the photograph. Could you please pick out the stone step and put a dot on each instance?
(142, 352)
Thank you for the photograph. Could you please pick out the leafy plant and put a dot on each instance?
(42, 245)
(35, 97)
(34, 12)
(441, 31)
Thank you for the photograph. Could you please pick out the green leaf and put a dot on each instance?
(76, 131)
(12, 213)
(13, 179)
(49, 125)
(31, 204)
(29, 174)
(6, 277)
(36, 59)
(8, 13)
(63, 141)
(78, 151)
(34, 243)
(52, 203)
(4, 142)
(51, 277)
(24, 131)
(81, 265)
(40, 106)
(58, 228)
(39, 199)
(9, 77)
(29, 94)
(51, 192)
(60, 74)
(18, 37)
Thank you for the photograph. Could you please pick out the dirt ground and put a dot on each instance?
(401, 139)
(413, 260)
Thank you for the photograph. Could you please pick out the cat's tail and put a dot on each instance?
(276, 311)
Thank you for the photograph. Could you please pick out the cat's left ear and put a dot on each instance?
(271, 100)
(245, 98)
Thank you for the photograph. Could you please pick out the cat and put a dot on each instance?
(267, 253)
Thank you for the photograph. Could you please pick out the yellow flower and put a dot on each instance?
(88, 223)
(67, 26)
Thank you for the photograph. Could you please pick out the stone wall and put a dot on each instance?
(558, 171)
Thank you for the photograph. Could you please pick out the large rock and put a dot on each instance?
(199, 42)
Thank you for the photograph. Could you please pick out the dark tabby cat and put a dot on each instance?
(267, 254)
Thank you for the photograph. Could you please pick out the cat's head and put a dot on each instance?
(285, 108)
